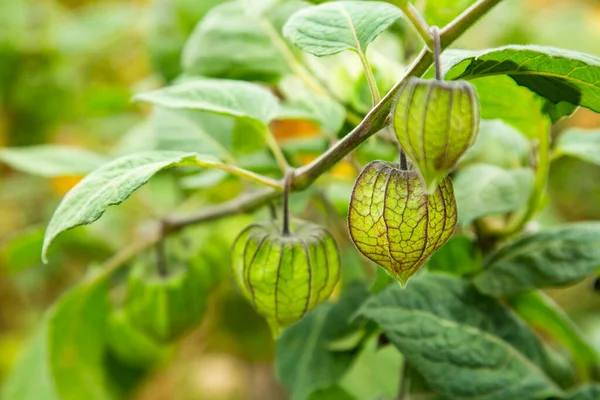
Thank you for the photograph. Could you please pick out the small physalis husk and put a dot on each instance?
(284, 276)
(394, 222)
(166, 307)
(436, 122)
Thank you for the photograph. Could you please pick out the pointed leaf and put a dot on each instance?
(110, 185)
(483, 189)
(550, 258)
(331, 28)
(556, 74)
(51, 160)
(241, 100)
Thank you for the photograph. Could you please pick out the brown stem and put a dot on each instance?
(287, 187)
(437, 51)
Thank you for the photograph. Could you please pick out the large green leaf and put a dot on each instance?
(465, 345)
(482, 189)
(64, 361)
(241, 100)
(580, 143)
(502, 98)
(51, 160)
(556, 74)
(305, 361)
(234, 42)
(331, 28)
(109, 185)
(541, 312)
(553, 257)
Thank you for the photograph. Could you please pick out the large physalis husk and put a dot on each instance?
(436, 122)
(285, 276)
(394, 222)
(166, 307)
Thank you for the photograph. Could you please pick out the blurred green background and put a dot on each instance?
(68, 69)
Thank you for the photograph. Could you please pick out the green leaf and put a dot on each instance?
(231, 42)
(459, 256)
(482, 189)
(304, 361)
(465, 345)
(188, 130)
(542, 313)
(331, 393)
(109, 185)
(375, 373)
(241, 100)
(502, 98)
(441, 12)
(556, 74)
(580, 143)
(51, 160)
(331, 28)
(498, 144)
(65, 358)
(303, 103)
(589, 392)
(553, 257)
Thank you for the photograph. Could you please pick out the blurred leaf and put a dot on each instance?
(502, 98)
(579, 143)
(22, 250)
(165, 307)
(552, 257)
(459, 256)
(188, 130)
(331, 393)
(231, 42)
(498, 144)
(333, 27)
(542, 313)
(589, 392)
(303, 103)
(304, 362)
(375, 373)
(482, 189)
(465, 345)
(51, 160)
(441, 12)
(241, 100)
(109, 185)
(556, 74)
(65, 358)
(130, 345)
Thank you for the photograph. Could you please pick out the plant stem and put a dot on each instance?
(243, 173)
(376, 97)
(277, 153)
(289, 177)
(417, 21)
(437, 51)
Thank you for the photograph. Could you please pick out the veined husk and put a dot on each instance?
(394, 222)
(436, 122)
(285, 276)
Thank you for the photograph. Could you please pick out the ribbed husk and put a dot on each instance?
(436, 122)
(285, 276)
(394, 221)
